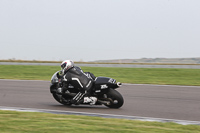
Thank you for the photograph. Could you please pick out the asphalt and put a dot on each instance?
(169, 102)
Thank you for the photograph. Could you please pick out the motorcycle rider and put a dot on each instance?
(75, 76)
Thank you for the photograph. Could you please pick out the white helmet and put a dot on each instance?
(66, 65)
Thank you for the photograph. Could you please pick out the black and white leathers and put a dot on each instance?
(76, 77)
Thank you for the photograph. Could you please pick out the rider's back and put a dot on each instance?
(77, 78)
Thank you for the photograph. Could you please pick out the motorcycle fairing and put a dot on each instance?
(102, 84)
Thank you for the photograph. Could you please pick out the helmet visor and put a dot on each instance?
(63, 65)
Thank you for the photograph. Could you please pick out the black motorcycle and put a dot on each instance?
(103, 89)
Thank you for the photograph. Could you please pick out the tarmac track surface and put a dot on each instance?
(170, 102)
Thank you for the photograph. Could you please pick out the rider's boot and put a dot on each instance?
(91, 100)
(82, 97)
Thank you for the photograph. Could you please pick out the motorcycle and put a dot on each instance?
(104, 89)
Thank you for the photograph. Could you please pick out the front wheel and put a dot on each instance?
(57, 98)
(116, 97)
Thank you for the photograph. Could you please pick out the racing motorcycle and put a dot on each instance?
(104, 89)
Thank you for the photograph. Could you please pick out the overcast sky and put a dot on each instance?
(91, 30)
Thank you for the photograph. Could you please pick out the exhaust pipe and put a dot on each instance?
(119, 84)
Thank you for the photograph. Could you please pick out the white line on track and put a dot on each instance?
(182, 122)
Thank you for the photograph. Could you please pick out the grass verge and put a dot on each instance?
(19, 122)
(162, 76)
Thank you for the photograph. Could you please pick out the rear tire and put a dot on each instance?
(116, 97)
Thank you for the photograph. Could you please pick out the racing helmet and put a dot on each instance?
(66, 65)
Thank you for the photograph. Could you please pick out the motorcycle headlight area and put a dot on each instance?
(54, 80)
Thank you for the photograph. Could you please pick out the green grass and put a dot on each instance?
(19, 122)
(162, 76)
(27, 72)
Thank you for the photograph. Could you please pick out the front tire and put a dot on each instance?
(57, 98)
(116, 97)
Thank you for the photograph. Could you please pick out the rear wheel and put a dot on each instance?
(116, 97)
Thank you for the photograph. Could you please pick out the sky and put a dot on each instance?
(89, 30)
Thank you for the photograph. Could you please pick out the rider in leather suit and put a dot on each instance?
(83, 81)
